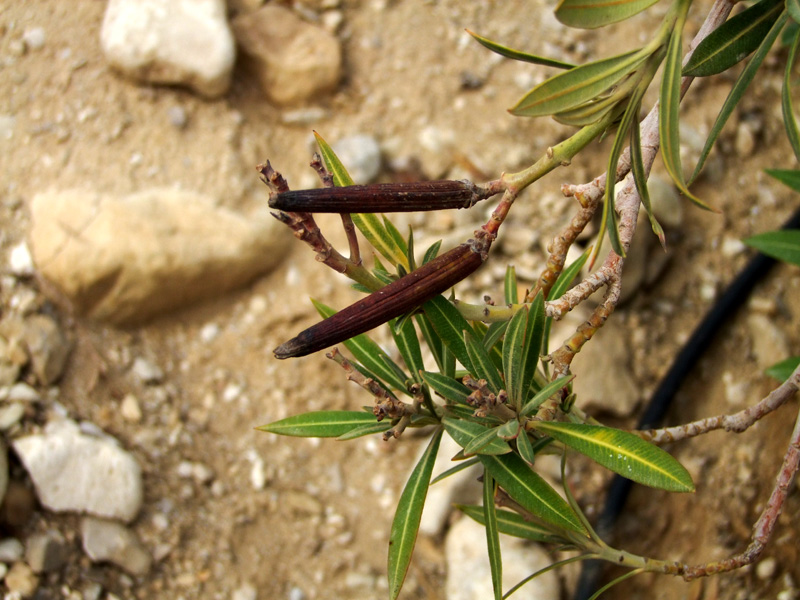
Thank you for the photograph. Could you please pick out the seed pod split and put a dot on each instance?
(393, 300)
(381, 197)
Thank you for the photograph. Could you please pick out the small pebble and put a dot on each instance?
(10, 550)
(20, 392)
(361, 154)
(245, 592)
(20, 261)
(765, 569)
(177, 117)
(146, 371)
(22, 580)
(297, 593)
(34, 38)
(130, 410)
(10, 415)
(209, 332)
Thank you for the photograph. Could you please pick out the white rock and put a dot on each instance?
(147, 371)
(47, 347)
(10, 415)
(184, 42)
(468, 574)
(602, 373)
(75, 472)
(21, 580)
(20, 392)
(462, 488)
(769, 341)
(20, 262)
(130, 409)
(140, 255)
(246, 591)
(11, 550)
(112, 542)
(361, 155)
(34, 38)
(294, 60)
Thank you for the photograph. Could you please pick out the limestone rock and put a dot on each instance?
(294, 60)
(185, 42)
(48, 348)
(76, 472)
(46, 552)
(112, 542)
(468, 573)
(603, 373)
(126, 259)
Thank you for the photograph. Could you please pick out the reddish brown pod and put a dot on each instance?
(394, 300)
(381, 197)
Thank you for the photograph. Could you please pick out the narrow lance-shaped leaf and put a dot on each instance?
(492, 535)
(784, 369)
(783, 244)
(543, 394)
(446, 387)
(485, 443)
(465, 432)
(518, 55)
(513, 354)
(368, 224)
(738, 89)
(571, 88)
(525, 448)
(365, 430)
(432, 339)
(789, 118)
(510, 523)
(461, 466)
(734, 40)
(622, 452)
(450, 326)
(640, 179)
(668, 120)
(590, 14)
(405, 526)
(531, 491)
(789, 177)
(324, 423)
(482, 365)
(510, 288)
(405, 337)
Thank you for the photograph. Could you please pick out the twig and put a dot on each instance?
(347, 221)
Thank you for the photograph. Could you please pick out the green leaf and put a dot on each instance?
(622, 452)
(446, 387)
(509, 430)
(450, 326)
(576, 86)
(464, 464)
(378, 427)
(483, 367)
(432, 339)
(510, 288)
(736, 93)
(793, 7)
(484, 443)
(789, 118)
(406, 520)
(590, 14)
(370, 355)
(510, 523)
(465, 432)
(543, 394)
(640, 179)
(517, 55)
(783, 245)
(784, 369)
(493, 334)
(668, 121)
(432, 252)
(591, 111)
(531, 491)
(734, 40)
(324, 423)
(405, 337)
(492, 535)
(368, 224)
(525, 448)
(789, 177)
(513, 354)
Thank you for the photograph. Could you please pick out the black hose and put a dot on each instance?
(727, 304)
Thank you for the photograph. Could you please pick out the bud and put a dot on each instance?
(381, 197)
(393, 300)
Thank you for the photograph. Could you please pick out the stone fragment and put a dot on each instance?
(245, 591)
(183, 42)
(146, 371)
(76, 472)
(19, 392)
(294, 60)
(361, 154)
(130, 409)
(21, 580)
(109, 541)
(10, 415)
(11, 550)
(126, 259)
(46, 552)
(603, 373)
(48, 348)
(468, 574)
(769, 341)
(460, 488)
(20, 262)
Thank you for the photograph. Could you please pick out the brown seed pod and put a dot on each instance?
(394, 300)
(381, 197)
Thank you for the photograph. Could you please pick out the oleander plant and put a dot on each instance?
(482, 373)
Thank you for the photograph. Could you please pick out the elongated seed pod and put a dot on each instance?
(397, 298)
(381, 197)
